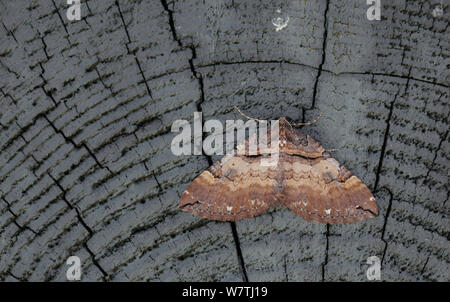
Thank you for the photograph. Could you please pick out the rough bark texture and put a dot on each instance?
(86, 109)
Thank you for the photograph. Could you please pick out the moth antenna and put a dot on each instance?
(309, 123)
(248, 117)
(332, 150)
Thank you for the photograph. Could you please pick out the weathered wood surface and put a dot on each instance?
(86, 111)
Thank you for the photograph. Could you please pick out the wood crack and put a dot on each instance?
(433, 162)
(239, 251)
(84, 224)
(82, 145)
(386, 217)
(386, 136)
(132, 53)
(320, 69)
(15, 216)
(199, 103)
(327, 247)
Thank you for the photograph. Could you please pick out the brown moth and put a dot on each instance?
(306, 179)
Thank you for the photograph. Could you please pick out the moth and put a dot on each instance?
(306, 179)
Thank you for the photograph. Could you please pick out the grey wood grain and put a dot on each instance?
(86, 111)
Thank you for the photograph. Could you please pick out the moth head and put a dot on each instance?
(284, 122)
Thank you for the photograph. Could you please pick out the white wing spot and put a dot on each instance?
(229, 208)
(328, 211)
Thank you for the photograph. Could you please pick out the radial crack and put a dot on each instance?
(385, 139)
(95, 262)
(239, 252)
(383, 231)
(62, 21)
(436, 155)
(327, 245)
(199, 103)
(83, 223)
(319, 72)
(70, 140)
(171, 22)
(131, 53)
(21, 227)
(47, 93)
(15, 277)
(386, 135)
(9, 32)
(286, 276)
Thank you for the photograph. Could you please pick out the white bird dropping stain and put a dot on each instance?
(280, 22)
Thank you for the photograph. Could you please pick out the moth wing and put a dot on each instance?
(233, 188)
(324, 191)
